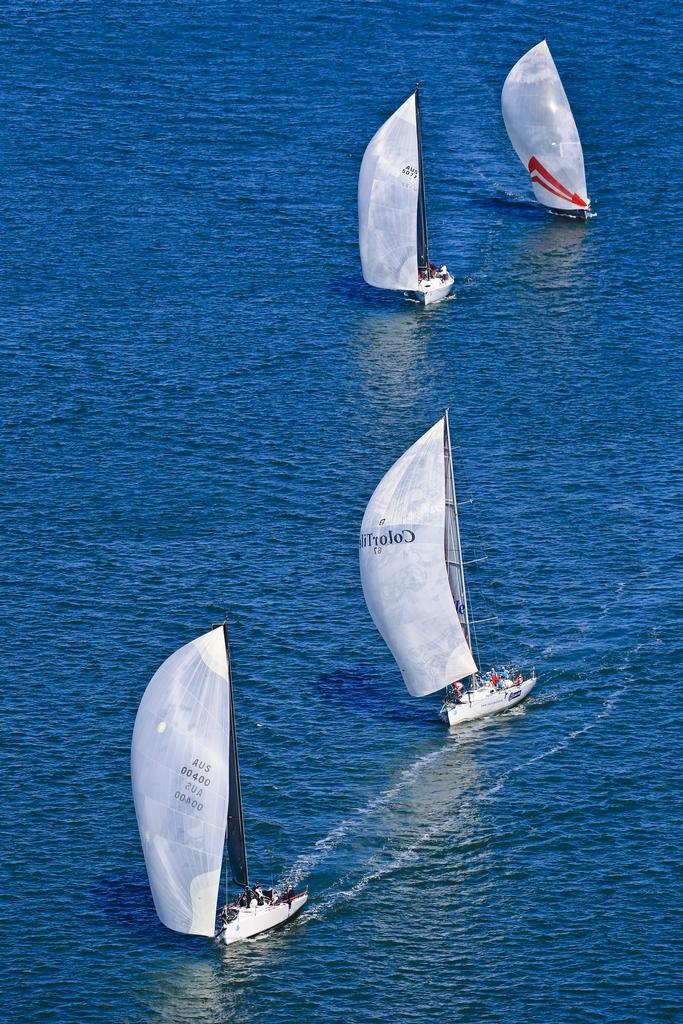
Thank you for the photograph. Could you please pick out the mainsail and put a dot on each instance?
(180, 769)
(237, 847)
(543, 132)
(454, 562)
(422, 235)
(404, 571)
(388, 189)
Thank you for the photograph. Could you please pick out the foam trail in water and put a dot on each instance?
(325, 846)
(607, 708)
(378, 871)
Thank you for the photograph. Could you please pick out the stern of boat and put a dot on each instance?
(485, 701)
(250, 921)
(431, 291)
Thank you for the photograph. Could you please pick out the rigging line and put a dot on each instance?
(453, 539)
(473, 625)
(474, 638)
(488, 596)
(468, 600)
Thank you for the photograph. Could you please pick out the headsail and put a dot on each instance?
(388, 188)
(543, 132)
(404, 573)
(179, 767)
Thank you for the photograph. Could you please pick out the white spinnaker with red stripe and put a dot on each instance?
(543, 132)
(404, 572)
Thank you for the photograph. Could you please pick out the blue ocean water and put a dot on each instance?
(199, 396)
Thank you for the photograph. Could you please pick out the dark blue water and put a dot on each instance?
(200, 396)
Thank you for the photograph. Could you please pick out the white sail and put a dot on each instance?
(179, 767)
(542, 130)
(387, 202)
(404, 573)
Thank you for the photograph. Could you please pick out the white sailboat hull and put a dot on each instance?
(433, 290)
(256, 919)
(486, 701)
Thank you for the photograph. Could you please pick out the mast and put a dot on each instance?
(422, 240)
(454, 562)
(237, 847)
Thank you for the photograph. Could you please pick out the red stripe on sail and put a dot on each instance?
(558, 190)
(560, 195)
(536, 165)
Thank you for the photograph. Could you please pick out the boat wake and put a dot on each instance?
(607, 708)
(378, 867)
(390, 860)
(325, 847)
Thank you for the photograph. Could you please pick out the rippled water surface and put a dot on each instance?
(199, 396)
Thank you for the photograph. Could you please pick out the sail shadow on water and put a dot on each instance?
(505, 202)
(364, 690)
(350, 289)
(126, 900)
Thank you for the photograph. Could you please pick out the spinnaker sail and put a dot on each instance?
(388, 190)
(543, 132)
(404, 571)
(180, 773)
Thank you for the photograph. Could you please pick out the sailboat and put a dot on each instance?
(392, 211)
(543, 132)
(413, 579)
(188, 798)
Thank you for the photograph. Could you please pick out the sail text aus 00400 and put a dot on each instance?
(375, 540)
